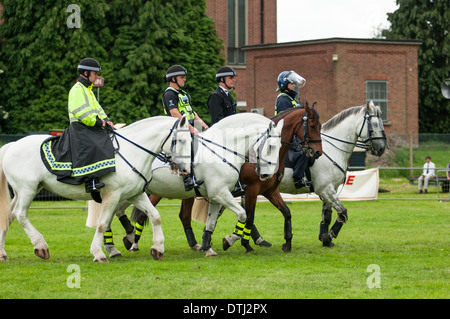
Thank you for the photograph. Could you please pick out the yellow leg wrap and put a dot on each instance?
(108, 237)
(139, 229)
(246, 234)
(239, 229)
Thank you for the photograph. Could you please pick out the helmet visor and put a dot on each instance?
(293, 77)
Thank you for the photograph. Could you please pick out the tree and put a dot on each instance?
(134, 41)
(428, 20)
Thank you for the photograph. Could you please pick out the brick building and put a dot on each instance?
(339, 72)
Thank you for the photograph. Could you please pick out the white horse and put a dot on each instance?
(21, 166)
(356, 126)
(221, 151)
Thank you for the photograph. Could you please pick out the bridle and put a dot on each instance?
(364, 144)
(263, 137)
(161, 155)
(297, 143)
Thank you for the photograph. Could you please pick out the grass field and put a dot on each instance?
(408, 242)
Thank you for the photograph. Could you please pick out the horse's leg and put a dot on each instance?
(142, 202)
(214, 211)
(331, 197)
(277, 201)
(228, 202)
(185, 217)
(250, 204)
(128, 239)
(3, 255)
(20, 212)
(325, 224)
(103, 225)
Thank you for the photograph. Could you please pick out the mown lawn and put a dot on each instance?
(408, 242)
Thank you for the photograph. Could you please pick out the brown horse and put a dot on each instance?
(301, 130)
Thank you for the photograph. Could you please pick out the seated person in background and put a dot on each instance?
(428, 172)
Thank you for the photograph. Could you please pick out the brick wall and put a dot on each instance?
(333, 85)
(338, 85)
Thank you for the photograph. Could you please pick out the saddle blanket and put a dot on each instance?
(80, 153)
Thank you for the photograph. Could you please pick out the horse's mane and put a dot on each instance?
(338, 118)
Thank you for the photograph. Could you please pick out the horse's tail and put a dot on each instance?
(137, 218)
(93, 214)
(200, 210)
(5, 197)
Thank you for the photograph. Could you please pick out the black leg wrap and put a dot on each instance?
(206, 244)
(287, 230)
(126, 224)
(257, 239)
(190, 237)
(255, 233)
(323, 230)
(336, 228)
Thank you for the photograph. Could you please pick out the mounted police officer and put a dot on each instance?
(221, 104)
(287, 81)
(91, 148)
(177, 102)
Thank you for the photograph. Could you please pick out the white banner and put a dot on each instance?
(359, 185)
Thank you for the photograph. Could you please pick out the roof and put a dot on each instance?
(334, 40)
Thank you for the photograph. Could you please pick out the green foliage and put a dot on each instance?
(429, 21)
(134, 41)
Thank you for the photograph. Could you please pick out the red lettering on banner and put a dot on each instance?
(350, 180)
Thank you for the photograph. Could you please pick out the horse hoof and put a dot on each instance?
(3, 258)
(326, 241)
(128, 244)
(264, 243)
(247, 246)
(225, 243)
(210, 253)
(42, 253)
(101, 260)
(196, 247)
(156, 254)
(286, 247)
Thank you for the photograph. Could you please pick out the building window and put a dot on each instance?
(237, 31)
(377, 91)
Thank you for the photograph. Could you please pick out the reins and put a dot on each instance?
(165, 159)
(361, 144)
(297, 142)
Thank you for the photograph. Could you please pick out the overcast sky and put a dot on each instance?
(317, 19)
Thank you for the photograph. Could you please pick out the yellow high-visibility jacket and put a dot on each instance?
(83, 106)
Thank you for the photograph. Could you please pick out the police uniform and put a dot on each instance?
(178, 99)
(221, 104)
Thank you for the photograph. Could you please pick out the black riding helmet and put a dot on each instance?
(89, 64)
(224, 71)
(174, 71)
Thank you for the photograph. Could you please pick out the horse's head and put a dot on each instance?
(371, 130)
(180, 147)
(267, 148)
(312, 135)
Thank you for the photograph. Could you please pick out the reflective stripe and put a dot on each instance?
(89, 68)
(139, 229)
(80, 171)
(239, 229)
(108, 237)
(246, 234)
(183, 107)
(86, 112)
